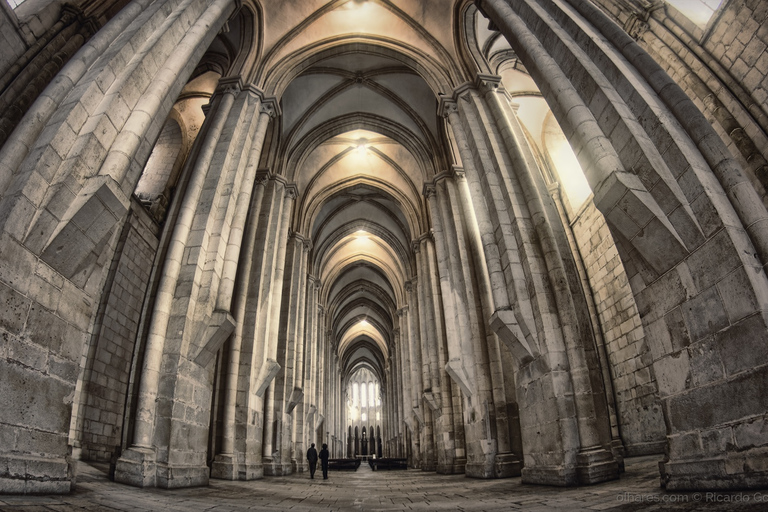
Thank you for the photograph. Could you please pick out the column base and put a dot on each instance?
(137, 467)
(617, 449)
(507, 465)
(176, 477)
(732, 471)
(595, 466)
(36, 475)
(276, 467)
(503, 465)
(224, 467)
(559, 476)
(455, 467)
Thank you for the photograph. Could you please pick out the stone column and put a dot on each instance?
(610, 113)
(596, 462)
(272, 414)
(137, 464)
(300, 398)
(507, 463)
(226, 463)
(429, 394)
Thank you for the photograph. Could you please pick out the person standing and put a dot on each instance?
(324, 460)
(312, 459)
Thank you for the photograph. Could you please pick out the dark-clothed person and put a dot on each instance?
(324, 460)
(312, 459)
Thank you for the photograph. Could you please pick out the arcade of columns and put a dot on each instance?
(375, 200)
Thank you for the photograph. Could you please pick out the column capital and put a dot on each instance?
(229, 85)
(447, 106)
(488, 83)
(291, 191)
(416, 246)
(403, 310)
(269, 107)
(428, 190)
(262, 177)
(269, 104)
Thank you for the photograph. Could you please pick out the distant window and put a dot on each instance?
(371, 400)
(698, 11)
(15, 3)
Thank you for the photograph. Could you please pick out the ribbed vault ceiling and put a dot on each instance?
(359, 136)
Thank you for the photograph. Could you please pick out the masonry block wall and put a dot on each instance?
(44, 325)
(641, 420)
(12, 43)
(722, 68)
(113, 346)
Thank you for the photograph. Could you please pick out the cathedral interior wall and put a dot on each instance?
(174, 334)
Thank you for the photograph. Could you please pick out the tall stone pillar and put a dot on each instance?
(230, 463)
(684, 192)
(508, 461)
(138, 464)
(502, 162)
(430, 399)
(415, 366)
(63, 199)
(273, 407)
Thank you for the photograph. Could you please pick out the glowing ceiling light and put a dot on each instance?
(364, 323)
(361, 233)
(362, 145)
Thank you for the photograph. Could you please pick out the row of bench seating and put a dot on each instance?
(388, 463)
(343, 464)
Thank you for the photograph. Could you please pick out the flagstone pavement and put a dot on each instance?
(366, 490)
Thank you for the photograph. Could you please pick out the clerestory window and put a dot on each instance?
(698, 11)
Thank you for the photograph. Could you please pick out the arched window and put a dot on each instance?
(363, 395)
(371, 394)
(355, 395)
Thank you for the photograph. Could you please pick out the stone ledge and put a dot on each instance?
(35, 475)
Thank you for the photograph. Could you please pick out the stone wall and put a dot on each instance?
(641, 421)
(112, 349)
(45, 320)
(10, 40)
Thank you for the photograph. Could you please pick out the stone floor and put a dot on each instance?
(383, 490)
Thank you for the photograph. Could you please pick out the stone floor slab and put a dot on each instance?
(366, 490)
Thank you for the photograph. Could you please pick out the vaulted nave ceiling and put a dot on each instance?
(360, 136)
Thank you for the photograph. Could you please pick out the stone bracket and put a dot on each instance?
(418, 415)
(505, 324)
(433, 401)
(312, 410)
(221, 325)
(267, 373)
(632, 211)
(459, 375)
(84, 228)
(296, 396)
(320, 420)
